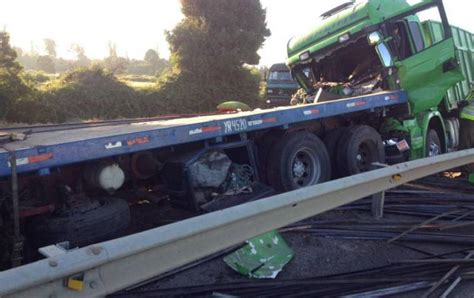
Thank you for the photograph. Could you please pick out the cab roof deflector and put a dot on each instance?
(337, 9)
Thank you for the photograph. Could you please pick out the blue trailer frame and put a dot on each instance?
(45, 150)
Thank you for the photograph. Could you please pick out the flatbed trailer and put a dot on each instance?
(75, 182)
(52, 149)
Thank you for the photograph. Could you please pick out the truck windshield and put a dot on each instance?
(280, 76)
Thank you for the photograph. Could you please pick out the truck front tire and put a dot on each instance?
(298, 160)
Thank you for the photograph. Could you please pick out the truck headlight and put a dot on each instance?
(344, 38)
(305, 56)
(374, 38)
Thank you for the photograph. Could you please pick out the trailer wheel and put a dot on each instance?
(433, 144)
(332, 141)
(298, 160)
(360, 147)
(109, 219)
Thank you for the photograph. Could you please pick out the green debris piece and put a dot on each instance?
(262, 257)
(233, 106)
(471, 178)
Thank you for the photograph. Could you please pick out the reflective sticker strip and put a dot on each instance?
(255, 122)
(113, 145)
(211, 128)
(403, 146)
(195, 131)
(261, 121)
(204, 130)
(311, 112)
(138, 141)
(356, 104)
(270, 120)
(32, 159)
(40, 158)
(391, 97)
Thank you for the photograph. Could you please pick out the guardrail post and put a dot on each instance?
(378, 199)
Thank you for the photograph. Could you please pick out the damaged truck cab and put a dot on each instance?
(379, 45)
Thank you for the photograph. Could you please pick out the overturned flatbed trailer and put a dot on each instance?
(74, 183)
(62, 147)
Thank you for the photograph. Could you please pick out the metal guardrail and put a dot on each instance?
(114, 265)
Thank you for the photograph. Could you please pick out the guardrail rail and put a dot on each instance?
(110, 266)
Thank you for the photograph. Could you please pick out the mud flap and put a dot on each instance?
(262, 257)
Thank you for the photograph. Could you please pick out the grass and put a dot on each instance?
(139, 85)
(138, 81)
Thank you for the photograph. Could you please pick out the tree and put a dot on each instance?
(222, 33)
(19, 51)
(211, 45)
(50, 47)
(152, 57)
(263, 70)
(154, 63)
(8, 55)
(46, 64)
(114, 63)
(81, 58)
(112, 49)
(12, 86)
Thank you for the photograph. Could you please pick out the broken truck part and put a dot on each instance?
(261, 257)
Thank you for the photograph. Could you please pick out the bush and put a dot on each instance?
(93, 93)
(138, 78)
(186, 93)
(12, 87)
(36, 77)
(81, 95)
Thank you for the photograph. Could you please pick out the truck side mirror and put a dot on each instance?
(384, 54)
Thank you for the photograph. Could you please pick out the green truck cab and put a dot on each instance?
(280, 85)
(380, 45)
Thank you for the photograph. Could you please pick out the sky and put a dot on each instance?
(137, 25)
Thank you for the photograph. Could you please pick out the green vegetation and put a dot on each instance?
(12, 85)
(211, 49)
(84, 94)
(208, 51)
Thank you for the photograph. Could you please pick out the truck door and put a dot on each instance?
(426, 59)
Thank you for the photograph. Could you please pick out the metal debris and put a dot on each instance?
(262, 257)
(210, 170)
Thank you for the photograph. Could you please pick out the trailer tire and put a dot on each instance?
(360, 147)
(433, 143)
(332, 141)
(298, 160)
(107, 221)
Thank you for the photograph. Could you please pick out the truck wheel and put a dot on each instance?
(332, 141)
(433, 144)
(360, 147)
(298, 160)
(104, 221)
